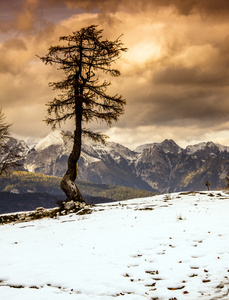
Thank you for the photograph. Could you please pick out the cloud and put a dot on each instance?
(12, 55)
(19, 14)
(192, 6)
(205, 8)
(26, 18)
(183, 7)
(174, 75)
(133, 137)
(14, 44)
(26, 15)
(180, 75)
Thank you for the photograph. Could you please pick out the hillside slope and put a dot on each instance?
(21, 191)
(164, 247)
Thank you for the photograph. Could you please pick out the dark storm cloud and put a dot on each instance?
(178, 107)
(191, 6)
(201, 106)
(23, 14)
(184, 7)
(179, 75)
(224, 52)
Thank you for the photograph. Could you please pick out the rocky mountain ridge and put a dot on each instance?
(161, 167)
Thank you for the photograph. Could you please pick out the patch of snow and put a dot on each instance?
(14, 191)
(201, 146)
(32, 142)
(140, 148)
(194, 148)
(223, 174)
(171, 246)
(30, 167)
(116, 151)
(89, 159)
(213, 154)
(222, 148)
(53, 138)
(168, 146)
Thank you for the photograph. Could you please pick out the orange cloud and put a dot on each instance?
(26, 18)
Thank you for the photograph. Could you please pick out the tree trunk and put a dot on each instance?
(67, 184)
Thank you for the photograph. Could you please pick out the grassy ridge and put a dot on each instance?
(25, 182)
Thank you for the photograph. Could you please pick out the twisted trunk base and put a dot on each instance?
(70, 189)
(68, 182)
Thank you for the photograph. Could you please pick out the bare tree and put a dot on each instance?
(84, 96)
(10, 153)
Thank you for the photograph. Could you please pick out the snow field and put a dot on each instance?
(164, 247)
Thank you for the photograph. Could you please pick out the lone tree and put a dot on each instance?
(10, 153)
(83, 95)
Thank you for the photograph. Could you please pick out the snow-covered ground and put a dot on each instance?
(164, 247)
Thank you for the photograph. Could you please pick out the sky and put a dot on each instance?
(174, 76)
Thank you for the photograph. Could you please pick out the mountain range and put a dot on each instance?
(159, 167)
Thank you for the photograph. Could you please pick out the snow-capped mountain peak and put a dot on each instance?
(166, 146)
(170, 146)
(154, 167)
(140, 148)
(194, 148)
(53, 138)
(210, 146)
